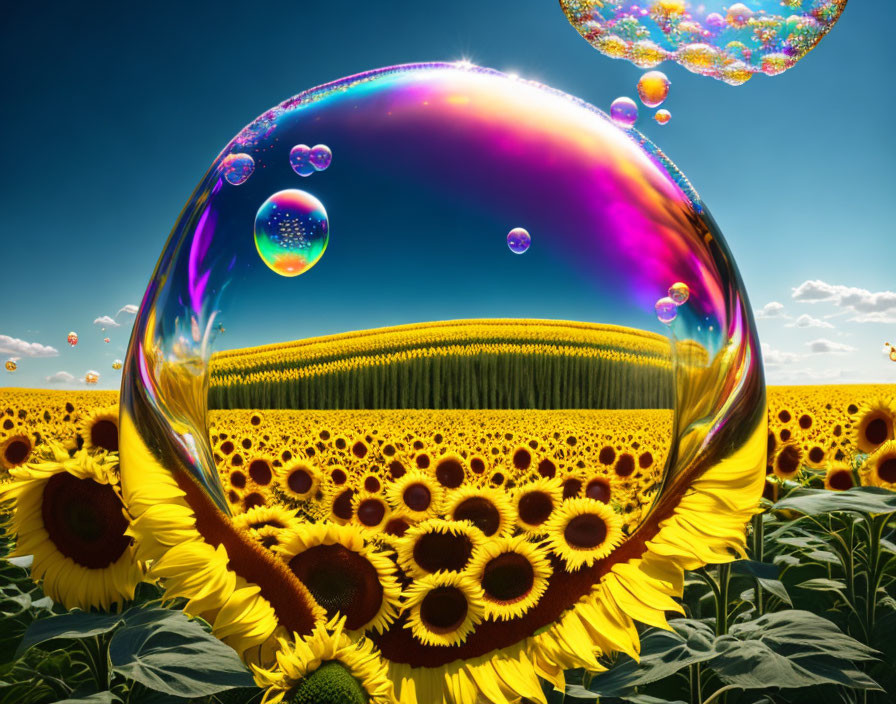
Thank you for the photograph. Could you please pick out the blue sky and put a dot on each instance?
(113, 112)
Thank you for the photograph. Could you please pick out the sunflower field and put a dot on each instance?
(444, 526)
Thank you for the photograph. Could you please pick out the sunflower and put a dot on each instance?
(839, 477)
(260, 470)
(369, 510)
(513, 574)
(68, 513)
(881, 466)
(449, 471)
(326, 667)
(788, 460)
(535, 502)
(99, 429)
(344, 573)
(815, 454)
(488, 509)
(417, 494)
(582, 531)
(15, 451)
(873, 425)
(275, 516)
(436, 545)
(443, 608)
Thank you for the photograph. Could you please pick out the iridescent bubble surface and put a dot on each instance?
(728, 41)
(433, 165)
(662, 116)
(91, 377)
(300, 160)
(237, 168)
(116, 364)
(679, 292)
(653, 88)
(291, 231)
(11, 366)
(624, 112)
(320, 156)
(666, 310)
(518, 240)
(72, 338)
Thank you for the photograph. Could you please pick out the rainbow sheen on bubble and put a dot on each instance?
(291, 232)
(662, 116)
(10, 365)
(666, 310)
(624, 112)
(653, 88)
(727, 41)
(518, 240)
(433, 166)
(237, 168)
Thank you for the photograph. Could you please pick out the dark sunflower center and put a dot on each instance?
(104, 434)
(805, 421)
(522, 458)
(331, 683)
(442, 551)
(599, 490)
(273, 522)
(481, 512)
(886, 470)
(17, 451)
(841, 480)
(547, 469)
(508, 577)
(626, 465)
(299, 481)
(816, 455)
(397, 527)
(371, 512)
(84, 520)
(444, 609)
(252, 500)
(260, 471)
(450, 473)
(238, 479)
(477, 465)
(607, 455)
(535, 507)
(586, 531)
(342, 506)
(876, 431)
(417, 497)
(359, 449)
(341, 581)
(571, 488)
(789, 459)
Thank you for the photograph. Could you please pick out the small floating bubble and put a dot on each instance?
(320, 156)
(106, 340)
(624, 112)
(11, 366)
(518, 240)
(662, 116)
(666, 310)
(72, 338)
(679, 292)
(92, 377)
(116, 364)
(291, 232)
(237, 168)
(300, 160)
(653, 88)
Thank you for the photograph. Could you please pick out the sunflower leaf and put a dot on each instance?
(790, 649)
(861, 499)
(165, 651)
(73, 625)
(98, 698)
(663, 653)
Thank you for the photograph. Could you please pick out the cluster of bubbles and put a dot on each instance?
(291, 232)
(518, 240)
(92, 377)
(72, 338)
(667, 306)
(653, 89)
(306, 160)
(116, 365)
(11, 366)
(730, 42)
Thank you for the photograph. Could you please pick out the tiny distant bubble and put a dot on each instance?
(679, 293)
(320, 156)
(300, 160)
(291, 232)
(92, 377)
(237, 168)
(518, 240)
(11, 366)
(666, 310)
(624, 112)
(662, 116)
(116, 364)
(653, 88)
(106, 340)
(72, 338)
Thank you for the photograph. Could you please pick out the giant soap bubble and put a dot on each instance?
(729, 41)
(524, 433)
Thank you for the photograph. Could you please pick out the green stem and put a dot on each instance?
(758, 556)
(722, 600)
(719, 692)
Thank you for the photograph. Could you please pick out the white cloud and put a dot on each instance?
(868, 306)
(807, 321)
(129, 309)
(777, 358)
(773, 309)
(876, 317)
(106, 322)
(60, 378)
(19, 348)
(824, 346)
